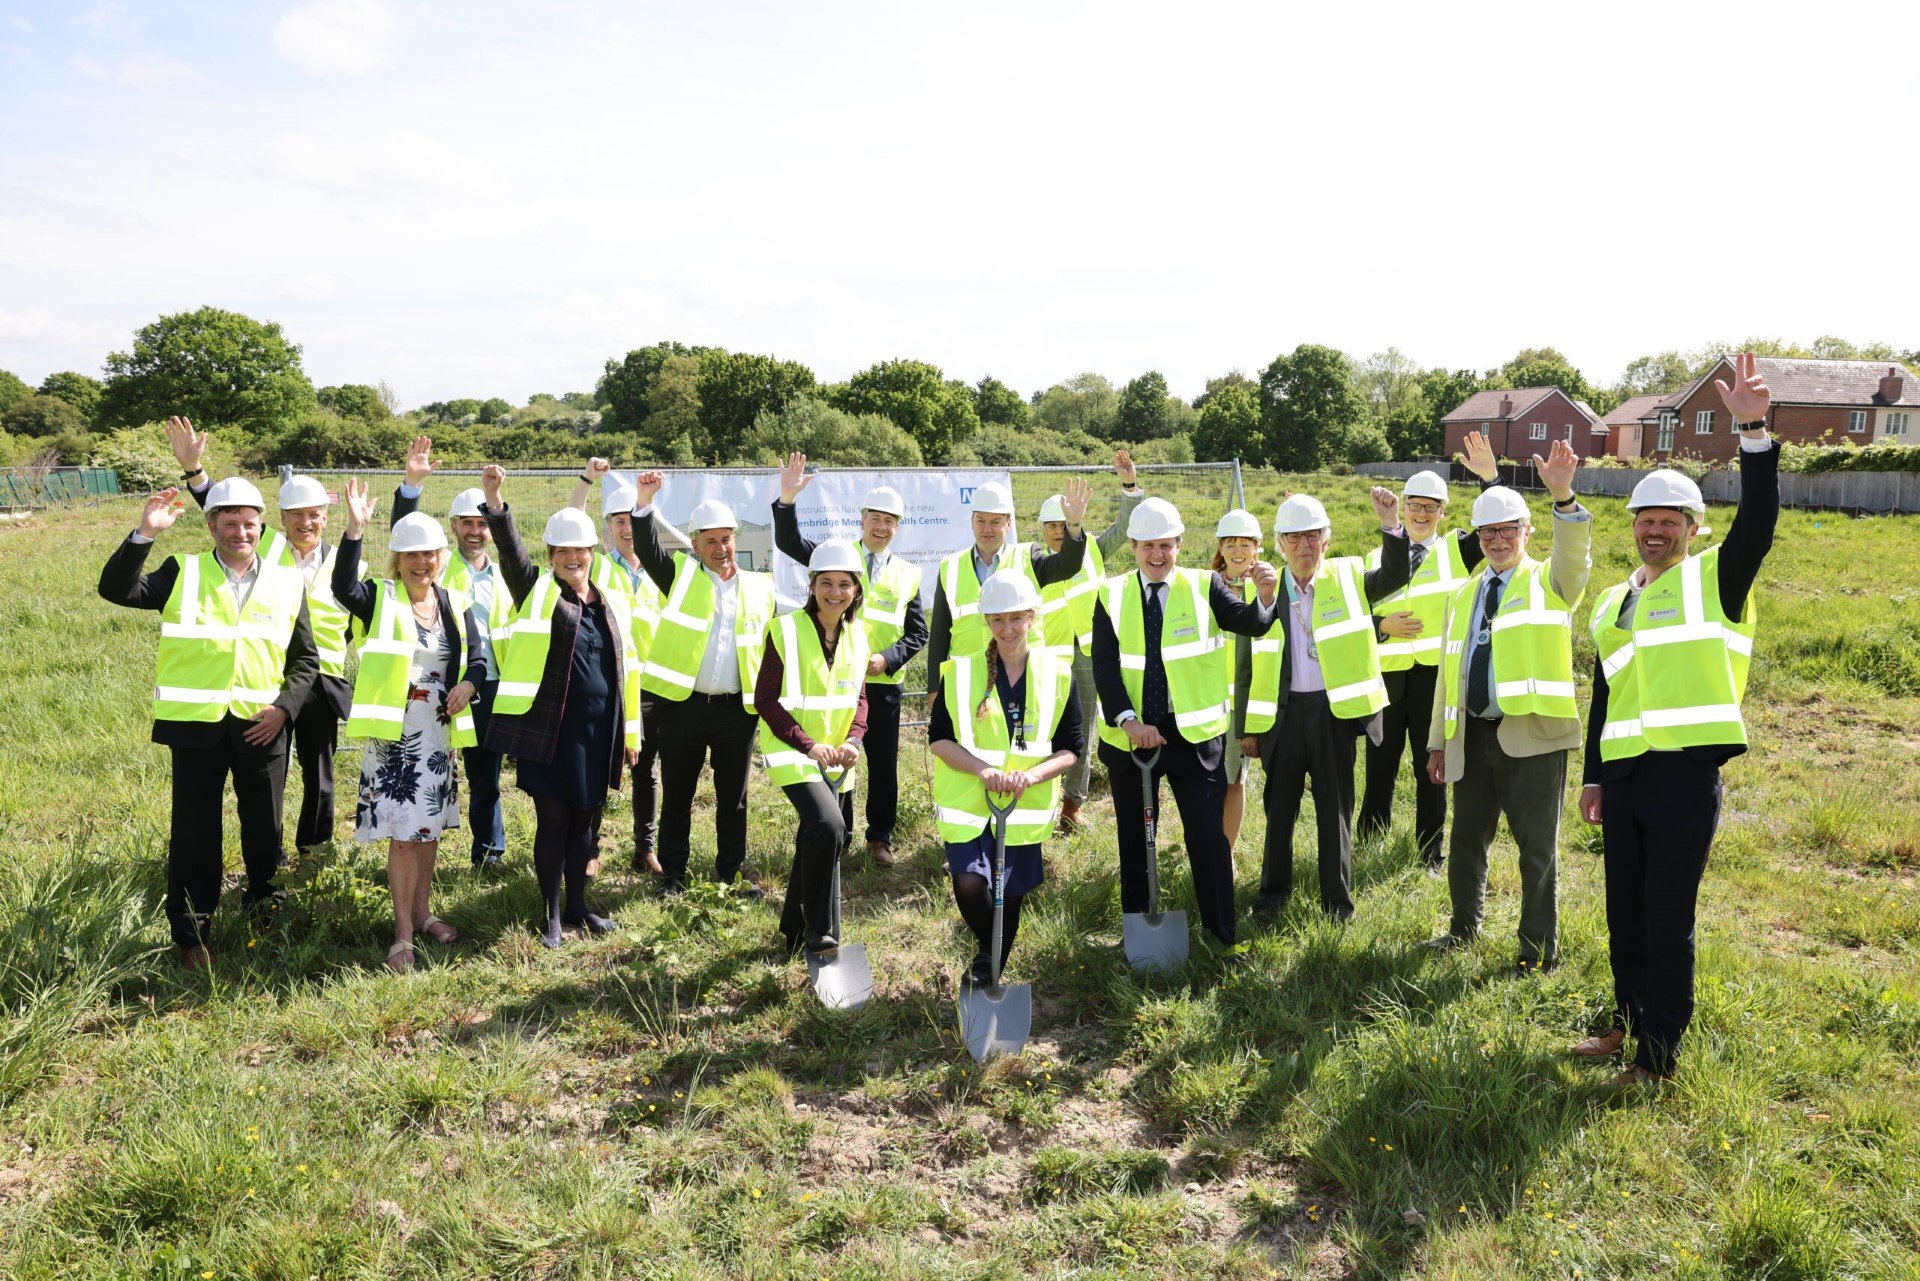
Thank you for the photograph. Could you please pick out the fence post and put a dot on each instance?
(1239, 490)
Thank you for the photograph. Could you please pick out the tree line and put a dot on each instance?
(677, 404)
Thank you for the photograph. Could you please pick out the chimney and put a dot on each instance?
(1891, 385)
(1506, 405)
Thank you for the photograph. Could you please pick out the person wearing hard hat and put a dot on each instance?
(1236, 549)
(301, 542)
(1007, 723)
(236, 663)
(812, 700)
(1673, 643)
(1408, 627)
(1313, 686)
(702, 665)
(1067, 618)
(957, 627)
(1161, 666)
(568, 707)
(419, 668)
(1504, 716)
(896, 628)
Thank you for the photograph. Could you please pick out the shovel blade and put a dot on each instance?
(995, 1020)
(843, 981)
(1154, 940)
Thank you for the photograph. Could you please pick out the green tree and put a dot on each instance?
(1147, 411)
(1413, 432)
(831, 437)
(995, 403)
(918, 398)
(1229, 423)
(1390, 381)
(13, 389)
(1542, 367)
(736, 388)
(1084, 403)
(217, 367)
(1232, 378)
(621, 393)
(670, 420)
(355, 400)
(1656, 374)
(78, 390)
(42, 416)
(493, 409)
(1308, 406)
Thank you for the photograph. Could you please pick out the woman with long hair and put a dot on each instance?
(1007, 723)
(1236, 549)
(410, 707)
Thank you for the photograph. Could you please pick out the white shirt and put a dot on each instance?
(720, 664)
(309, 564)
(485, 583)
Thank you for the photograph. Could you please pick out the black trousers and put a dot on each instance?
(882, 750)
(316, 734)
(194, 854)
(690, 731)
(565, 839)
(1658, 822)
(1200, 795)
(1309, 743)
(646, 782)
(825, 820)
(1404, 724)
(483, 779)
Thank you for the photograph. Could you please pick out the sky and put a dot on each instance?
(479, 198)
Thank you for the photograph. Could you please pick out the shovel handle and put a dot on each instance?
(1148, 804)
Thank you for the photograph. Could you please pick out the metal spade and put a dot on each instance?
(1154, 940)
(844, 980)
(996, 1019)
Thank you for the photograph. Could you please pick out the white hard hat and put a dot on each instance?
(468, 502)
(1667, 488)
(570, 527)
(417, 532)
(1238, 523)
(1155, 518)
(1008, 594)
(234, 491)
(1499, 504)
(1055, 508)
(885, 498)
(618, 498)
(1300, 513)
(836, 554)
(712, 514)
(993, 499)
(1426, 484)
(303, 491)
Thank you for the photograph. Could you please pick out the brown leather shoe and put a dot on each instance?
(195, 958)
(1604, 1046)
(881, 853)
(1071, 818)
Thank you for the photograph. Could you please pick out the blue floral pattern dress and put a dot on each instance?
(410, 788)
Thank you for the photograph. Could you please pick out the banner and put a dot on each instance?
(938, 520)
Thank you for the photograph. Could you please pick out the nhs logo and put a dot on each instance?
(966, 495)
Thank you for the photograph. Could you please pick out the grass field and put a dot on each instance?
(669, 1102)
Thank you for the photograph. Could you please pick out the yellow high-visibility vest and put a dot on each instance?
(1190, 650)
(959, 798)
(1532, 639)
(385, 678)
(680, 638)
(962, 587)
(1343, 635)
(822, 699)
(216, 657)
(1440, 574)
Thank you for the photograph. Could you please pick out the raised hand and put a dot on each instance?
(1402, 625)
(1747, 400)
(646, 488)
(492, 477)
(793, 477)
(360, 506)
(1479, 456)
(189, 446)
(1124, 469)
(1386, 505)
(419, 463)
(1074, 497)
(1556, 473)
(598, 469)
(1266, 581)
(160, 512)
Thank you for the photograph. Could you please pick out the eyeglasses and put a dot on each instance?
(1295, 539)
(1498, 533)
(1425, 509)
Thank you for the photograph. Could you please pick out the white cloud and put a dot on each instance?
(109, 20)
(349, 37)
(378, 160)
(153, 70)
(91, 68)
(19, 22)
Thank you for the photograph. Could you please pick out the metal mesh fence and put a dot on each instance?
(28, 487)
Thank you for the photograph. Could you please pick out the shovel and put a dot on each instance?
(843, 981)
(996, 1019)
(1154, 940)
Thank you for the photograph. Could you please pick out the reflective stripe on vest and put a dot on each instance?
(215, 658)
(328, 618)
(384, 683)
(1440, 574)
(962, 587)
(822, 700)
(1678, 677)
(959, 798)
(1344, 636)
(1532, 661)
(1190, 651)
(883, 607)
(1066, 614)
(520, 652)
(459, 576)
(686, 616)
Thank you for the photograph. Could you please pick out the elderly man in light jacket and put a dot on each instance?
(1504, 716)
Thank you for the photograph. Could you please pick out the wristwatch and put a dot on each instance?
(1124, 717)
(1567, 504)
(189, 475)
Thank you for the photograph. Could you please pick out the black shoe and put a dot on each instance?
(266, 904)
(671, 885)
(823, 946)
(489, 861)
(592, 922)
(551, 937)
(1267, 907)
(1444, 943)
(980, 973)
(748, 891)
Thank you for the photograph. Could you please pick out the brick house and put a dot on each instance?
(1825, 401)
(1626, 425)
(1520, 421)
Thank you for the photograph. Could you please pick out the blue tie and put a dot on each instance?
(1480, 670)
(1154, 705)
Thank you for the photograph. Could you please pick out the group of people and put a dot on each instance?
(637, 643)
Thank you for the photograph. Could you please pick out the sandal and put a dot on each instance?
(439, 931)
(395, 953)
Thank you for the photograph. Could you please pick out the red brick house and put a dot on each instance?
(1626, 425)
(1520, 421)
(1824, 401)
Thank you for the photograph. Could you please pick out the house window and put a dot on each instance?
(1537, 431)
(1857, 421)
(1663, 442)
(1703, 423)
(1896, 424)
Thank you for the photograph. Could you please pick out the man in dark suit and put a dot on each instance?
(236, 663)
